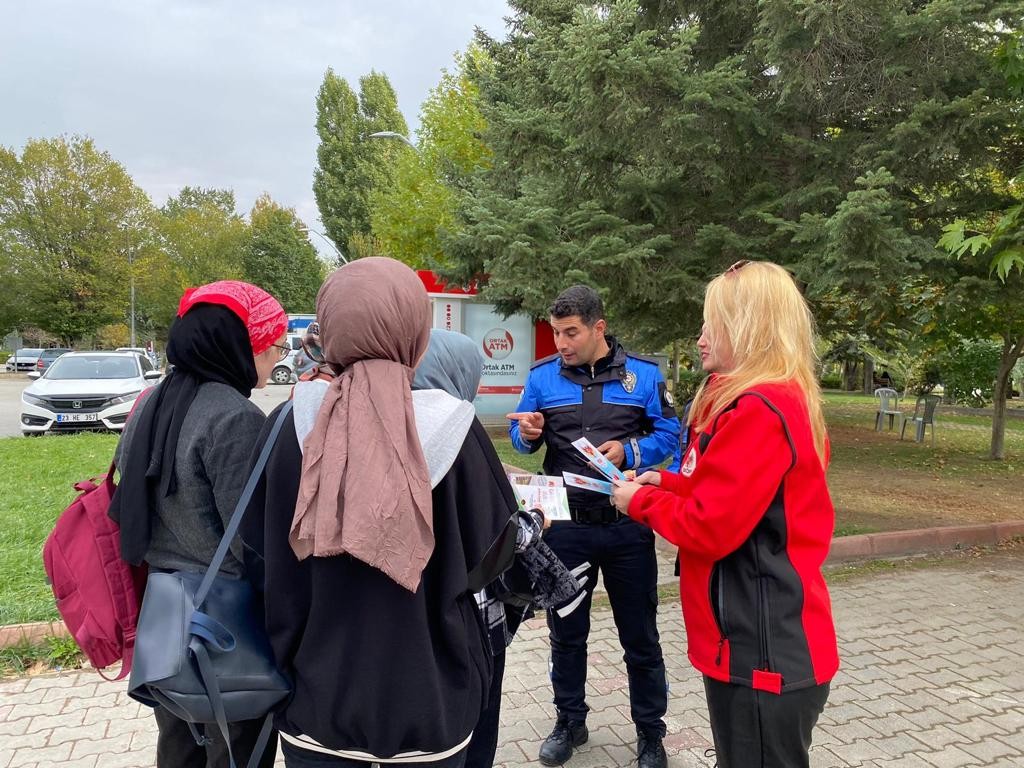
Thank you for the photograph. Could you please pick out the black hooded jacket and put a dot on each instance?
(379, 671)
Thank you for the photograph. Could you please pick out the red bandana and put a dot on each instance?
(263, 315)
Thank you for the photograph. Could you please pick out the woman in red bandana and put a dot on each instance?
(751, 514)
(183, 460)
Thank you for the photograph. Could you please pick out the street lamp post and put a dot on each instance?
(131, 267)
(307, 229)
(393, 135)
(131, 286)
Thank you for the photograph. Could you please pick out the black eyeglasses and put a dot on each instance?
(285, 351)
(737, 266)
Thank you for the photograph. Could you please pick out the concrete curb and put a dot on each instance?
(900, 543)
(33, 632)
(844, 549)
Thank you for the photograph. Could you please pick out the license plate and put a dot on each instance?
(63, 418)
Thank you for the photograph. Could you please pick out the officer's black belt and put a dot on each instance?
(594, 515)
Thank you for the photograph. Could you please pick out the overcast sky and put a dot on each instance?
(218, 93)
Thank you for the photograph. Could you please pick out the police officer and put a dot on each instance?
(593, 388)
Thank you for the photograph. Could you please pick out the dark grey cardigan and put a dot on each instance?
(212, 464)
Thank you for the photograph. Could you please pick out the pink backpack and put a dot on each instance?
(98, 594)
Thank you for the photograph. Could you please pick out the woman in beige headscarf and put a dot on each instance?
(381, 512)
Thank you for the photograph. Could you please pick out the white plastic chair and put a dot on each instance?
(888, 405)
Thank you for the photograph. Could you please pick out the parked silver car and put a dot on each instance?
(47, 356)
(23, 360)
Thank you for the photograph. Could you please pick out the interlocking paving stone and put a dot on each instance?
(930, 678)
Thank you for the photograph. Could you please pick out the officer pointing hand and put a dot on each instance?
(531, 425)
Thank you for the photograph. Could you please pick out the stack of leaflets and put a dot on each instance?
(543, 492)
(601, 463)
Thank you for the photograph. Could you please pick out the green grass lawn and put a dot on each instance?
(509, 455)
(961, 442)
(35, 487)
(867, 465)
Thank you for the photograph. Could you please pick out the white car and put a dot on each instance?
(85, 390)
(289, 368)
(154, 358)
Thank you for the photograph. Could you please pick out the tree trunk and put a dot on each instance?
(1011, 354)
(869, 375)
(849, 375)
(675, 367)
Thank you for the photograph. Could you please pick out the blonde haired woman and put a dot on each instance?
(751, 514)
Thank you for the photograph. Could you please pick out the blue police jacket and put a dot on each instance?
(623, 398)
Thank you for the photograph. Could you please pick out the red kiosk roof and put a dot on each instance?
(435, 284)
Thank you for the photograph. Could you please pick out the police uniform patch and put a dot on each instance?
(668, 398)
(629, 381)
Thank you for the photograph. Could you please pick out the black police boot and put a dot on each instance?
(649, 752)
(557, 748)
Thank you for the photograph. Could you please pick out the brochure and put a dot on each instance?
(596, 458)
(587, 483)
(543, 491)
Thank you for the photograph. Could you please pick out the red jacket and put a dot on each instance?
(751, 515)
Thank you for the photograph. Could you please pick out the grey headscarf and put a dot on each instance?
(453, 363)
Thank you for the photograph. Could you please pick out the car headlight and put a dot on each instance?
(127, 397)
(32, 399)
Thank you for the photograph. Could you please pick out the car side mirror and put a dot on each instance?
(34, 374)
(152, 375)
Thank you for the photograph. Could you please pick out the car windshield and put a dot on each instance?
(53, 352)
(93, 367)
(27, 352)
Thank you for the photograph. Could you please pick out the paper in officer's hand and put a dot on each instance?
(599, 460)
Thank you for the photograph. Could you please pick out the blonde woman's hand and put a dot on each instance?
(622, 495)
(650, 478)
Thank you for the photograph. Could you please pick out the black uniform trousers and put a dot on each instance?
(624, 552)
(758, 729)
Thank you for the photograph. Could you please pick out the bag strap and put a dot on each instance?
(240, 507)
(126, 608)
(205, 629)
(209, 677)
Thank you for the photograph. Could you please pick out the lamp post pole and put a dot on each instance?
(131, 286)
(393, 135)
(326, 239)
(132, 268)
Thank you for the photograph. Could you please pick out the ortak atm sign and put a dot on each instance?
(498, 343)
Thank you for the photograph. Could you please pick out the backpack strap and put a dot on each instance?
(240, 507)
(209, 678)
(126, 608)
(203, 628)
